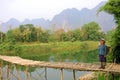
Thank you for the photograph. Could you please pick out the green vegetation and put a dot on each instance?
(113, 7)
(103, 76)
(79, 51)
(30, 33)
(32, 42)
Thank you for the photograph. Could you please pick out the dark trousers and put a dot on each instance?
(102, 59)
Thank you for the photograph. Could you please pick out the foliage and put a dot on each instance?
(91, 31)
(102, 76)
(30, 33)
(10, 40)
(61, 51)
(43, 37)
(9, 45)
(113, 7)
(18, 50)
(66, 50)
(109, 35)
(2, 36)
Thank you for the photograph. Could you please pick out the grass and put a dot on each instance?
(62, 51)
(60, 46)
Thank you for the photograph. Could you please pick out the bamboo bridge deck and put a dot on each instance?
(111, 68)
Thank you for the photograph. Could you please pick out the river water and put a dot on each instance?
(39, 74)
(52, 74)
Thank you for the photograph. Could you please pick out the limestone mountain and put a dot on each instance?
(68, 19)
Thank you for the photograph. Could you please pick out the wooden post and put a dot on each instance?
(113, 76)
(1, 71)
(8, 72)
(61, 71)
(30, 76)
(107, 76)
(45, 73)
(74, 77)
(26, 72)
(18, 76)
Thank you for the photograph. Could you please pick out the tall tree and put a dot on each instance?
(113, 7)
(91, 31)
(76, 34)
(28, 33)
(9, 38)
(2, 35)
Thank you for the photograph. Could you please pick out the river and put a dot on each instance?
(52, 74)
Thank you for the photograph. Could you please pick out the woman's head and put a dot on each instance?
(102, 41)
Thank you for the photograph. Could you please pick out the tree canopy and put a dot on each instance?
(113, 7)
(31, 33)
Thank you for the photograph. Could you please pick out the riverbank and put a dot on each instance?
(57, 51)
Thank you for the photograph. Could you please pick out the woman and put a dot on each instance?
(102, 53)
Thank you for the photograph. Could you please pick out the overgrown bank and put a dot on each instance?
(59, 51)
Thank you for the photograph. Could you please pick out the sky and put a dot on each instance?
(34, 9)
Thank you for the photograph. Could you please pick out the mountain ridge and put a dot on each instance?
(70, 18)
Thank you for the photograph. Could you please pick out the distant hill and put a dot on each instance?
(74, 18)
(13, 23)
(68, 19)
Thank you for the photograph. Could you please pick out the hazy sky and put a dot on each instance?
(31, 9)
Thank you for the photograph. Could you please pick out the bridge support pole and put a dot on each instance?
(8, 72)
(30, 76)
(45, 73)
(74, 77)
(61, 78)
(113, 76)
(26, 72)
(107, 76)
(17, 75)
(1, 71)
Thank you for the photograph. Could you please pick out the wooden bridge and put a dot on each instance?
(110, 68)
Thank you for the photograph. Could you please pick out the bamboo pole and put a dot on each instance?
(30, 76)
(74, 76)
(107, 76)
(1, 71)
(45, 73)
(8, 72)
(18, 76)
(61, 71)
(26, 71)
(113, 76)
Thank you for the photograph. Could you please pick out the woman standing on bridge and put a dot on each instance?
(102, 53)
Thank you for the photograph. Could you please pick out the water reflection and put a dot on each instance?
(75, 56)
(39, 74)
(52, 74)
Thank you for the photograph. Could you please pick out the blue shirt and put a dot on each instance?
(102, 50)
